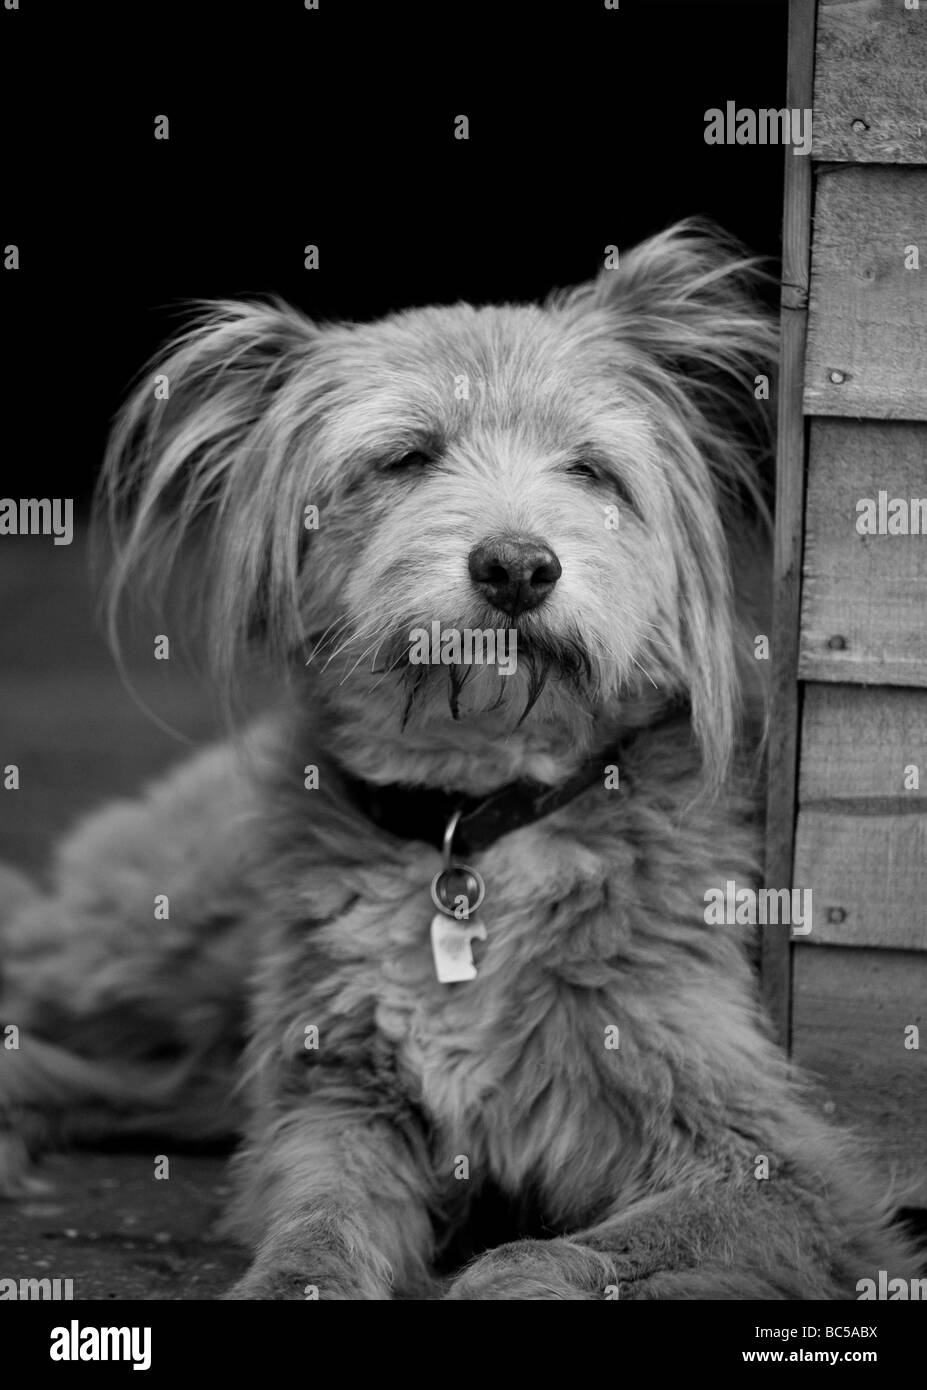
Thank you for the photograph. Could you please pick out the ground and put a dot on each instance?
(109, 1226)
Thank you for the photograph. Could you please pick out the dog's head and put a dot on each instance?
(492, 517)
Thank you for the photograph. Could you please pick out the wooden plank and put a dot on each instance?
(870, 82)
(864, 597)
(775, 949)
(868, 877)
(867, 327)
(857, 742)
(850, 1011)
(861, 838)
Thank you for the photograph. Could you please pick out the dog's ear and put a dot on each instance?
(687, 303)
(217, 438)
(684, 311)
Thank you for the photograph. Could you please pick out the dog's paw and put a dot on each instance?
(535, 1270)
(266, 1284)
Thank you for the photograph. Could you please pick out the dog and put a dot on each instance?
(433, 941)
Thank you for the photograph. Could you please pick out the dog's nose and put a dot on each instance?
(514, 573)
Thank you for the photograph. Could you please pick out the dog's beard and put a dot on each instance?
(544, 659)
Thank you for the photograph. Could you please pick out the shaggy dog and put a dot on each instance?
(493, 1049)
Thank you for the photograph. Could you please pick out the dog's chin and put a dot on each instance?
(547, 671)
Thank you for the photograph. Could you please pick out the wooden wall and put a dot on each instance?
(857, 695)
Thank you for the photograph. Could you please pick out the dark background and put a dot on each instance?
(335, 127)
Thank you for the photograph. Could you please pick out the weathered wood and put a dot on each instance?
(860, 841)
(775, 951)
(868, 876)
(867, 327)
(857, 742)
(850, 1011)
(864, 597)
(861, 838)
(870, 82)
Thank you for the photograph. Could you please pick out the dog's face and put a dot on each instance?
(484, 470)
(454, 514)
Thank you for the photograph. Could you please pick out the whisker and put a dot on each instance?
(375, 647)
(328, 635)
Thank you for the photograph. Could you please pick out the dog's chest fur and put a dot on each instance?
(587, 981)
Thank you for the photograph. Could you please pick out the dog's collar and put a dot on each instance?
(423, 813)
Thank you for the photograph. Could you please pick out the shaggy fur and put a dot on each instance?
(418, 437)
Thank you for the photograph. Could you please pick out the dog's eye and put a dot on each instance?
(412, 462)
(585, 470)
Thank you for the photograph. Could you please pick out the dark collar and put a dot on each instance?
(422, 813)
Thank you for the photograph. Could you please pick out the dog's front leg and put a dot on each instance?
(335, 1199)
(778, 1239)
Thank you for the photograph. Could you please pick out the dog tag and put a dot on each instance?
(455, 888)
(450, 946)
